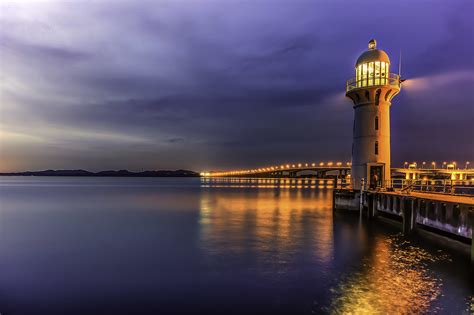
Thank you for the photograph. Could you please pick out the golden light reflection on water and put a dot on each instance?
(395, 280)
(271, 224)
(263, 183)
(272, 221)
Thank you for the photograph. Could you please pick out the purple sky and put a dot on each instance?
(224, 84)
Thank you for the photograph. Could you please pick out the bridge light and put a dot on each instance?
(434, 164)
(293, 166)
(330, 163)
(339, 163)
(321, 164)
(299, 165)
(313, 164)
(287, 165)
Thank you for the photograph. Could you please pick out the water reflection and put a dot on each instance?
(165, 246)
(261, 183)
(272, 225)
(395, 279)
(275, 219)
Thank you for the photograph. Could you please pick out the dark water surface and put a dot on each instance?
(166, 245)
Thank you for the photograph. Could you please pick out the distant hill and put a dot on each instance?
(111, 173)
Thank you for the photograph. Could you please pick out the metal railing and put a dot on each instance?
(443, 186)
(446, 186)
(392, 79)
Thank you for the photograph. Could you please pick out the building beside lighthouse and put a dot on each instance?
(371, 91)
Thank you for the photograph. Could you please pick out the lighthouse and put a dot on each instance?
(371, 91)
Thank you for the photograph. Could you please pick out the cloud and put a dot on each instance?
(210, 84)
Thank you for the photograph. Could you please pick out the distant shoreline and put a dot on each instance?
(110, 173)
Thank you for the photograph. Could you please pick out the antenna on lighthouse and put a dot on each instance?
(400, 68)
(400, 64)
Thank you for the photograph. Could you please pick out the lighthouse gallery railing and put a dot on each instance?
(392, 79)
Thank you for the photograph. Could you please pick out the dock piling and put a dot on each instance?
(407, 215)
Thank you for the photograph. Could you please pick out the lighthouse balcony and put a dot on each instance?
(392, 80)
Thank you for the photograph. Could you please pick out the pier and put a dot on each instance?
(449, 215)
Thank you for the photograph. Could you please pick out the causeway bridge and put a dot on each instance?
(342, 170)
(317, 170)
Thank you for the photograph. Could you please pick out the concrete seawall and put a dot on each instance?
(452, 216)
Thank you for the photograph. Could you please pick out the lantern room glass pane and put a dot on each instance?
(364, 74)
(377, 73)
(371, 73)
(359, 75)
(383, 73)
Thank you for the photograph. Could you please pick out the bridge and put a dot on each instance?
(342, 170)
(318, 170)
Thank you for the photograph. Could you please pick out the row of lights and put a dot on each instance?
(275, 168)
(446, 165)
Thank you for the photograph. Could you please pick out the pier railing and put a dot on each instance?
(446, 186)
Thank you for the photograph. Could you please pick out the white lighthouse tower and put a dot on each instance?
(372, 90)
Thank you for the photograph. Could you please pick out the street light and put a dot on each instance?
(423, 164)
(405, 164)
(445, 164)
(454, 163)
(467, 164)
(434, 164)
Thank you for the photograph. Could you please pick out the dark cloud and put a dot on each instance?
(212, 84)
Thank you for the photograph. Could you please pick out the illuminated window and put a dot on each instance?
(364, 74)
(376, 122)
(376, 148)
(377, 73)
(371, 73)
(359, 76)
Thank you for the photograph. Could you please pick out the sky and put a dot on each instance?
(208, 85)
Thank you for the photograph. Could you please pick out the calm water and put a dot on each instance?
(160, 245)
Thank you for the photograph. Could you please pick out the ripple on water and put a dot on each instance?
(396, 280)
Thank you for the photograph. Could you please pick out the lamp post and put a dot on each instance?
(467, 164)
(405, 165)
(433, 164)
(445, 164)
(423, 164)
(454, 164)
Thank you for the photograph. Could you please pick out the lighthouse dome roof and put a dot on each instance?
(372, 54)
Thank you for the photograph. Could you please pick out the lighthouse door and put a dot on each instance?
(376, 176)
